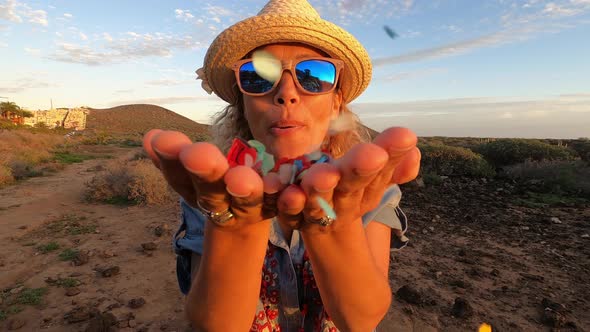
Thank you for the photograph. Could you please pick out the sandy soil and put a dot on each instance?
(474, 257)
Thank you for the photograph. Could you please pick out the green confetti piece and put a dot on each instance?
(268, 163)
(326, 207)
(259, 147)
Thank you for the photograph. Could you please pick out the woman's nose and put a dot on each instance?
(286, 90)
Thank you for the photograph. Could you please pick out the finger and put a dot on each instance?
(290, 204)
(206, 166)
(397, 141)
(147, 145)
(166, 146)
(408, 168)
(319, 182)
(246, 189)
(272, 188)
(359, 166)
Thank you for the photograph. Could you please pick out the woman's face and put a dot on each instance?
(289, 122)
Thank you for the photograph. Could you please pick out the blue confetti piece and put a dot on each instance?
(326, 207)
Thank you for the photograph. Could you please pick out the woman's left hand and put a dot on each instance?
(355, 183)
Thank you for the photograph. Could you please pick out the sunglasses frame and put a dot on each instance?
(290, 66)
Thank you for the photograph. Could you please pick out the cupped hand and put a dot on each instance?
(355, 183)
(200, 172)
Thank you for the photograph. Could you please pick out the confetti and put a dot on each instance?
(344, 122)
(326, 207)
(485, 328)
(267, 66)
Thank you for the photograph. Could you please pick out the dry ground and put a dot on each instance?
(513, 266)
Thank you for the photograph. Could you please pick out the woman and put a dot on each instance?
(319, 273)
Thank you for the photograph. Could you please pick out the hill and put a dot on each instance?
(140, 118)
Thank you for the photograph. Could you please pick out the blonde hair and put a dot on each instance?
(231, 122)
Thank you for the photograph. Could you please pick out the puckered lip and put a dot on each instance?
(285, 124)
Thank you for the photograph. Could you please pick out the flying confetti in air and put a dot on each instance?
(392, 34)
(267, 66)
(485, 328)
(344, 122)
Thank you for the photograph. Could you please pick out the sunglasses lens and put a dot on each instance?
(251, 82)
(316, 76)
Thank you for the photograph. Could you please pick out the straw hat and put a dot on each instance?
(284, 21)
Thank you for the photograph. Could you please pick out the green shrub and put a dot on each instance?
(559, 177)
(49, 247)
(447, 160)
(505, 152)
(31, 296)
(582, 148)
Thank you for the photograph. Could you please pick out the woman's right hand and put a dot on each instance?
(200, 171)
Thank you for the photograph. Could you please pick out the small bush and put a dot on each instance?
(66, 157)
(505, 152)
(49, 247)
(67, 282)
(447, 160)
(132, 182)
(31, 296)
(582, 148)
(560, 177)
(68, 254)
(6, 177)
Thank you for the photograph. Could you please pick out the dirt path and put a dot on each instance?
(112, 238)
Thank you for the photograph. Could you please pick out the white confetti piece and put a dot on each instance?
(344, 122)
(267, 66)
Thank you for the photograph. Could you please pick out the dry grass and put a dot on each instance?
(134, 182)
(21, 151)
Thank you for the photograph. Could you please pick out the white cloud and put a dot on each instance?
(163, 100)
(3, 45)
(183, 15)
(32, 51)
(558, 117)
(24, 84)
(168, 82)
(68, 15)
(106, 36)
(516, 27)
(124, 49)
(14, 11)
(345, 12)
(83, 36)
(8, 11)
(38, 17)
(409, 75)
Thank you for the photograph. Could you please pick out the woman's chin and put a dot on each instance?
(289, 152)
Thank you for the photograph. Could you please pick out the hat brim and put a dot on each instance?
(240, 39)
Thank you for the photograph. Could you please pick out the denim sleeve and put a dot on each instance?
(389, 213)
(188, 240)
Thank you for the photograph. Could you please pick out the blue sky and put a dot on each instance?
(502, 68)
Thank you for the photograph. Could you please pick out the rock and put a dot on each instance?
(438, 274)
(425, 231)
(107, 254)
(547, 303)
(555, 220)
(136, 303)
(110, 271)
(532, 276)
(431, 228)
(15, 324)
(585, 236)
(81, 258)
(525, 228)
(495, 272)
(16, 290)
(113, 306)
(149, 246)
(161, 230)
(79, 314)
(72, 291)
(132, 323)
(553, 318)
(461, 308)
(75, 274)
(23, 227)
(410, 295)
(102, 323)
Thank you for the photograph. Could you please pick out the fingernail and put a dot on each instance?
(323, 190)
(361, 172)
(234, 194)
(163, 155)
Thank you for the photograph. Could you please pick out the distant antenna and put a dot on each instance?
(51, 103)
